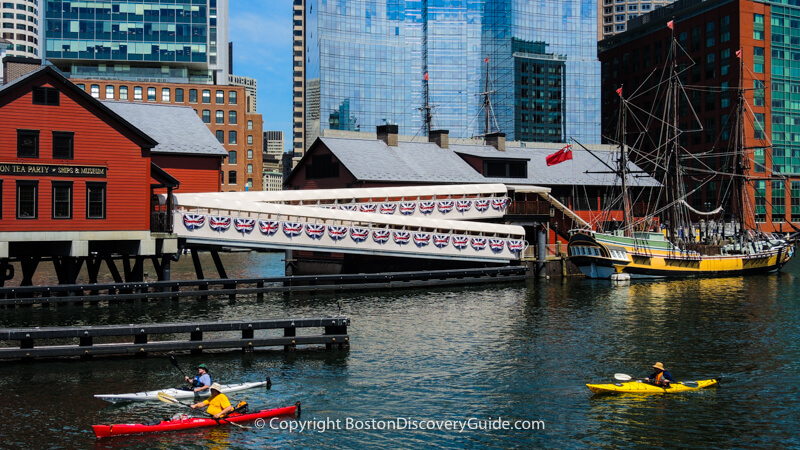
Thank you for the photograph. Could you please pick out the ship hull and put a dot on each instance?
(600, 255)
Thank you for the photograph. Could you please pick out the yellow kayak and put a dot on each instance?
(642, 387)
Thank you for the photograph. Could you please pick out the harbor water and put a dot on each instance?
(449, 367)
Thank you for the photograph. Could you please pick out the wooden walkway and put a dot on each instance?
(130, 291)
(241, 335)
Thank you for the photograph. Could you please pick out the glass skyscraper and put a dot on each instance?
(369, 62)
(182, 41)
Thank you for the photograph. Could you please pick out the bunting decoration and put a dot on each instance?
(407, 208)
(368, 208)
(499, 204)
(463, 205)
(292, 229)
(219, 223)
(427, 207)
(388, 208)
(359, 234)
(496, 245)
(515, 246)
(478, 243)
(336, 232)
(244, 226)
(460, 242)
(482, 205)
(380, 236)
(268, 227)
(441, 240)
(422, 239)
(193, 221)
(445, 206)
(315, 230)
(401, 237)
(348, 207)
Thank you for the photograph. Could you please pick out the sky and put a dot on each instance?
(261, 32)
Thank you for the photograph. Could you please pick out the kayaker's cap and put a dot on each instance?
(216, 387)
(203, 366)
(658, 366)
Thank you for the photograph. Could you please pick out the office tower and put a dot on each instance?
(250, 86)
(20, 22)
(180, 41)
(613, 15)
(366, 63)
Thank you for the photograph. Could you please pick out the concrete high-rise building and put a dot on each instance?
(250, 86)
(20, 22)
(375, 62)
(613, 15)
(273, 144)
(179, 41)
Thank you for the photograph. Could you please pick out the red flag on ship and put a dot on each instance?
(560, 156)
(619, 91)
(671, 24)
(739, 53)
(487, 59)
(426, 76)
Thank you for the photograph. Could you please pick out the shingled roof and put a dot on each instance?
(177, 129)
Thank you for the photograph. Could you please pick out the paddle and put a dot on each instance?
(169, 399)
(625, 377)
(175, 363)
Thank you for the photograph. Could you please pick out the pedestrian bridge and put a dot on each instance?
(421, 222)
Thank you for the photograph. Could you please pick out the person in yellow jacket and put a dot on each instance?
(218, 403)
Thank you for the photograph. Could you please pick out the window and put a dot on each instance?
(232, 97)
(220, 97)
(62, 199)
(221, 136)
(232, 117)
(206, 96)
(27, 143)
(178, 95)
(249, 139)
(95, 90)
(123, 92)
(95, 200)
(137, 92)
(778, 201)
(232, 157)
(322, 166)
(165, 95)
(192, 95)
(249, 153)
(232, 137)
(45, 96)
(232, 177)
(206, 116)
(27, 199)
(220, 116)
(151, 94)
(249, 183)
(249, 168)
(505, 169)
(110, 92)
(63, 144)
(249, 124)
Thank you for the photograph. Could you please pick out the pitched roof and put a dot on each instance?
(418, 162)
(570, 172)
(177, 129)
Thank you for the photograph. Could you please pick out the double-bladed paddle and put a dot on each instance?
(169, 399)
(175, 363)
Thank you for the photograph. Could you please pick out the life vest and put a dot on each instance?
(196, 380)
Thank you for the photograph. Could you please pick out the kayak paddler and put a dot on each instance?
(218, 403)
(660, 377)
(202, 381)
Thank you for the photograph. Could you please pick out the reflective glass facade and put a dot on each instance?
(785, 77)
(172, 40)
(366, 63)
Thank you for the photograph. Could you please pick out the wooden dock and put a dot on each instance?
(130, 291)
(241, 335)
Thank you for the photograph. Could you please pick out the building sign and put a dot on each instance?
(49, 170)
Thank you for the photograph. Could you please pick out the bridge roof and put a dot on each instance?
(177, 129)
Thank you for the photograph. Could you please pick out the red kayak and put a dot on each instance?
(103, 431)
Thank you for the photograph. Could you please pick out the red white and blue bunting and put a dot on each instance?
(348, 207)
(315, 231)
(407, 208)
(499, 203)
(268, 227)
(388, 208)
(515, 246)
(336, 232)
(478, 243)
(219, 223)
(244, 226)
(380, 236)
(496, 245)
(463, 205)
(401, 237)
(460, 242)
(359, 234)
(482, 205)
(368, 208)
(441, 240)
(193, 221)
(445, 206)
(422, 239)
(292, 229)
(427, 207)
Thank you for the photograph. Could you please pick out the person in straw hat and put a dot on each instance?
(218, 403)
(660, 377)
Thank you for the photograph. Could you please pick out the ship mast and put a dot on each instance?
(623, 171)
(739, 161)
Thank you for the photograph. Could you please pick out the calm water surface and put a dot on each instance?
(522, 351)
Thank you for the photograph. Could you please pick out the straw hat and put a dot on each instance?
(657, 365)
(216, 387)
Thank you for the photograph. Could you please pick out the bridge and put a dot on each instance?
(436, 222)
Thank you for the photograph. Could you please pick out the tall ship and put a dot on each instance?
(669, 237)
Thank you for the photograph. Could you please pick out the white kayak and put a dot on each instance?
(177, 393)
